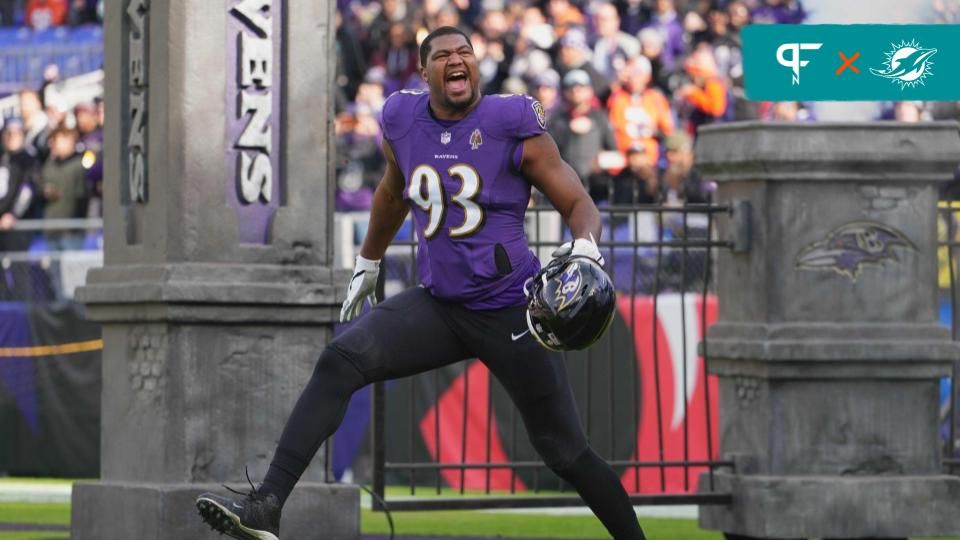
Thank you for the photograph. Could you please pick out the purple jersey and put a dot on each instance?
(462, 181)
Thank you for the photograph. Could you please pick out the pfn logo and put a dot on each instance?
(794, 62)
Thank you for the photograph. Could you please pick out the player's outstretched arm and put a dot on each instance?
(548, 172)
(388, 210)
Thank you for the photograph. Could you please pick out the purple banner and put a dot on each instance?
(254, 92)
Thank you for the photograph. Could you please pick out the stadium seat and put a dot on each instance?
(87, 34)
(50, 36)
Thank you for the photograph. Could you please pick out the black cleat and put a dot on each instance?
(252, 517)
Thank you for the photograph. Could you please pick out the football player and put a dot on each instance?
(463, 164)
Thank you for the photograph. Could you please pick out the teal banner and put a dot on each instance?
(863, 62)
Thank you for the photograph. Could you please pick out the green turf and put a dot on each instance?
(453, 523)
(38, 513)
(36, 535)
(490, 524)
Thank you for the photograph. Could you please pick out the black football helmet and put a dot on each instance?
(570, 303)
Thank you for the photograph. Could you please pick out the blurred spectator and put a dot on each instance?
(778, 12)
(946, 11)
(90, 148)
(535, 28)
(612, 47)
(634, 14)
(514, 85)
(83, 12)
(499, 50)
(63, 182)
(426, 17)
(17, 189)
(640, 114)
(90, 137)
(637, 183)
(562, 15)
(57, 111)
(51, 82)
(398, 57)
(546, 91)
(651, 47)
(35, 123)
(447, 16)
(739, 15)
(945, 110)
(582, 132)
(704, 99)
(530, 58)
(488, 66)
(787, 111)
(727, 48)
(8, 12)
(19, 280)
(43, 14)
(694, 28)
(358, 140)
(910, 111)
(391, 11)
(665, 21)
(575, 54)
(351, 63)
(680, 183)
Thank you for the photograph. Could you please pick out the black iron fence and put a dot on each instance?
(451, 437)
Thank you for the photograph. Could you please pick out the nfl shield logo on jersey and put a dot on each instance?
(445, 137)
(476, 139)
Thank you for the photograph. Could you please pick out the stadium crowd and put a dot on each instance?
(625, 83)
(50, 167)
(50, 154)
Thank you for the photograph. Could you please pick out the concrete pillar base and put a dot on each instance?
(835, 507)
(163, 511)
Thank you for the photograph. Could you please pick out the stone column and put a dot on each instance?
(217, 294)
(828, 346)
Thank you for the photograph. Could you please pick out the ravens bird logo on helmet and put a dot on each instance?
(570, 303)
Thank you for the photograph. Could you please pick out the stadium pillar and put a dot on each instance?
(828, 347)
(218, 293)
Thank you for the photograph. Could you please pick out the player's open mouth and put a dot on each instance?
(457, 81)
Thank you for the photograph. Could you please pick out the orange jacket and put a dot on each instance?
(637, 120)
(711, 99)
(53, 11)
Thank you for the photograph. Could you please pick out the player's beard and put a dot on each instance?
(461, 103)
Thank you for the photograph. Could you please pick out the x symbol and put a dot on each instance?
(848, 62)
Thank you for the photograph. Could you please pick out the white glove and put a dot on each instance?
(362, 286)
(581, 247)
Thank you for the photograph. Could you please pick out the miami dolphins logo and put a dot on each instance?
(907, 64)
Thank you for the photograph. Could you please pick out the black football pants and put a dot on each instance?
(413, 332)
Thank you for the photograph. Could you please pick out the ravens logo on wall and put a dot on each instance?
(849, 247)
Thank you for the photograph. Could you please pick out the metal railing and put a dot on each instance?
(648, 406)
(45, 273)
